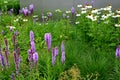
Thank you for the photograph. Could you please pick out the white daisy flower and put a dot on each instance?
(25, 20)
(77, 22)
(83, 12)
(77, 15)
(79, 6)
(117, 25)
(68, 12)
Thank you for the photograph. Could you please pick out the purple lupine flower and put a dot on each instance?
(48, 39)
(30, 55)
(35, 57)
(56, 51)
(63, 53)
(16, 33)
(72, 10)
(118, 51)
(6, 55)
(11, 28)
(25, 11)
(16, 61)
(13, 76)
(2, 61)
(31, 8)
(50, 14)
(20, 11)
(63, 57)
(62, 47)
(12, 10)
(32, 46)
(6, 45)
(31, 36)
(53, 56)
(18, 51)
(14, 42)
(2, 32)
(92, 2)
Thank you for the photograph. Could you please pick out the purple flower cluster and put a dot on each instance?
(63, 53)
(48, 40)
(6, 51)
(27, 11)
(32, 54)
(118, 51)
(17, 58)
(54, 54)
(31, 8)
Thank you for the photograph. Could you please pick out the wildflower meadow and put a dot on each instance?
(82, 43)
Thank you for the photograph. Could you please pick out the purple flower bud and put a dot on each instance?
(2, 32)
(11, 28)
(53, 56)
(16, 61)
(63, 57)
(72, 10)
(2, 61)
(14, 42)
(63, 53)
(13, 76)
(92, 2)
(62, 47)
(56, 51)
(50, 14)
(35, 57)
(31, 36)
(48, 39)
(30, 55)
(32, 46)
(20, 11)
(25, 11)
(31, 8)
(16, 33)
(118, 51)
(12, 10)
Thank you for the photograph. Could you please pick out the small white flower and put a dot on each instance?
(107, 8)
(94, 11)
(35, 16)
(118, 11)
(83, 12)
(117, 25)
(105, 16)
(79, 6)
(83, 8)
(93, 18)
(58, 10)
(68, 12)
(11, 27)
(77, 15)
(77, 22)
(16, 20)
(25, 20)
(88, 6)
(90, 16)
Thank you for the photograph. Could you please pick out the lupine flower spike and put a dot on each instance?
(35, 58)
(118, 51)
(48, 39)
(73, 11)
(31, 8)
(63, 53)
(53, 56)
